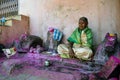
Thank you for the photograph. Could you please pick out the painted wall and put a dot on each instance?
(103, 16)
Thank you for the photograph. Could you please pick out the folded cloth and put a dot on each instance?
(57, 35)
(9, 52)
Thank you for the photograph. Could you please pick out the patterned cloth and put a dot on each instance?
(54, 37)
(82, 37)
(83, 53)
(9, 52)
(82, 40)
(57, 35)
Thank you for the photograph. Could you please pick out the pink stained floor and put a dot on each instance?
(30, 72)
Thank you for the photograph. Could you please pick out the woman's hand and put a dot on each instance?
(71, 53)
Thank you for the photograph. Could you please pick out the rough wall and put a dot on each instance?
(103, 16)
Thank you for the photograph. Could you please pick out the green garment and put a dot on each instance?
(76, 37)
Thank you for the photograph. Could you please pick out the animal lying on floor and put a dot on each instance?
(23, 45)
(26, 42)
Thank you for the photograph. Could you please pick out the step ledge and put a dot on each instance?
(9, 20)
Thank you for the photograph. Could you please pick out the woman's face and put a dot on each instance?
(82, 24)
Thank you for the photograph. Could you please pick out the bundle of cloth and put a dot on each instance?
(54, 37)
(57, 35)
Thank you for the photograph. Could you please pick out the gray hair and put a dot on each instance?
(84, 19)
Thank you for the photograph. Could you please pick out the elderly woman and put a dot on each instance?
(80, 42)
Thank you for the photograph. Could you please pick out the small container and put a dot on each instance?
(47, 63)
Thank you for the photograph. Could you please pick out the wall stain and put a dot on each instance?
(102, 2)
(60, 7)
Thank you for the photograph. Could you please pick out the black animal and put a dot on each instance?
(26, 42)
(1, 51)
